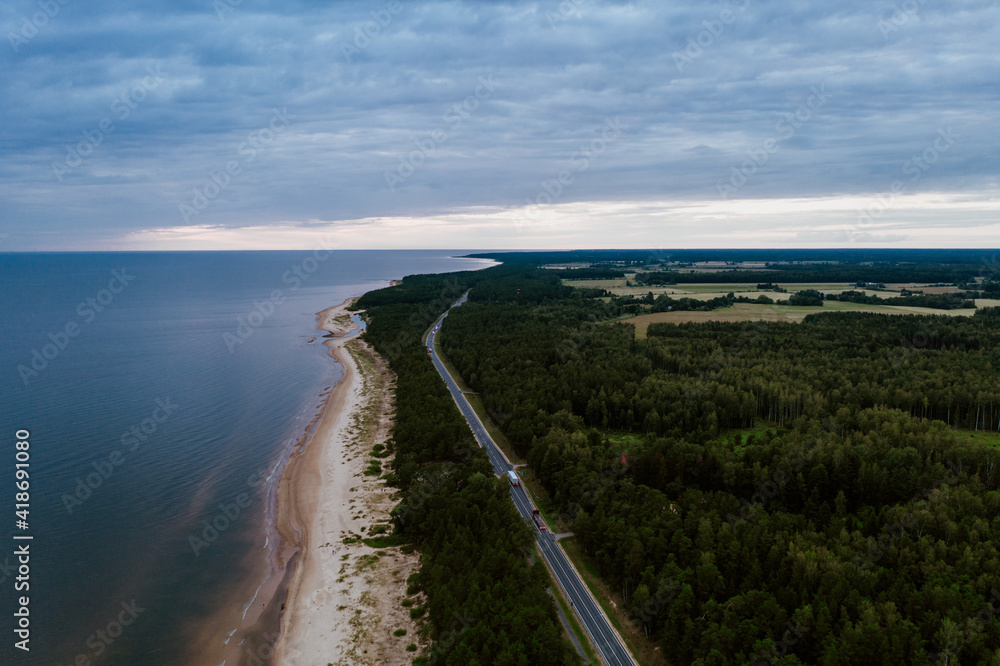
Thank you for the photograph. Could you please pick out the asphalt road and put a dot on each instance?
(608, 644)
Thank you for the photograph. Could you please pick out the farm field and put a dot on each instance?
(951, 289)
(708, 291)
(789, 313)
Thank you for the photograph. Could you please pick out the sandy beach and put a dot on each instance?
(344, 599)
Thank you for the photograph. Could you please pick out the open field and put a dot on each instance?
(986, 438)
(599, 284)
(789, 313)
(708, 290)
(700, 288)
(928, 289)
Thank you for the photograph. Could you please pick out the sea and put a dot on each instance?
(148, 401)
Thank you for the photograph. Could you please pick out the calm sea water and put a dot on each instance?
(155, 388)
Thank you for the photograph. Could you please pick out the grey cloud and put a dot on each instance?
(560, 77)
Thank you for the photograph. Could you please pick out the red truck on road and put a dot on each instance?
(537, 517)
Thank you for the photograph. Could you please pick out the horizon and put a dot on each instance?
(533, 250)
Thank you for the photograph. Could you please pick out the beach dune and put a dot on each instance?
(344, 599)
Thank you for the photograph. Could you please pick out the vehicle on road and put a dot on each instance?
(512, 477)
(611, 649)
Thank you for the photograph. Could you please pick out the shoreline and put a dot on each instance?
(334, 578)
(260, 620)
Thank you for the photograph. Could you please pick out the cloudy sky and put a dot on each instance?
(218, 124)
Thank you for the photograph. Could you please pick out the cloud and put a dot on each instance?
(914, 221)
(701, 88)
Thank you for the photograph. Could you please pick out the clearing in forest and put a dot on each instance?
(760, 312)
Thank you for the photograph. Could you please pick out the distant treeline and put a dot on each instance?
(592, 273)
(981, 260)
(665, 303)
(936, 301)
(988, 289)
(819, 273)
(806, 297)
(485, 603)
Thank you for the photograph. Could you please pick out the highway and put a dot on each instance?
(610, 647)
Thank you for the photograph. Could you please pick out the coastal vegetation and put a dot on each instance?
(485, 602)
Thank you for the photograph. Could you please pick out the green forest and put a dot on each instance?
(825, 492)
(485, 604)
